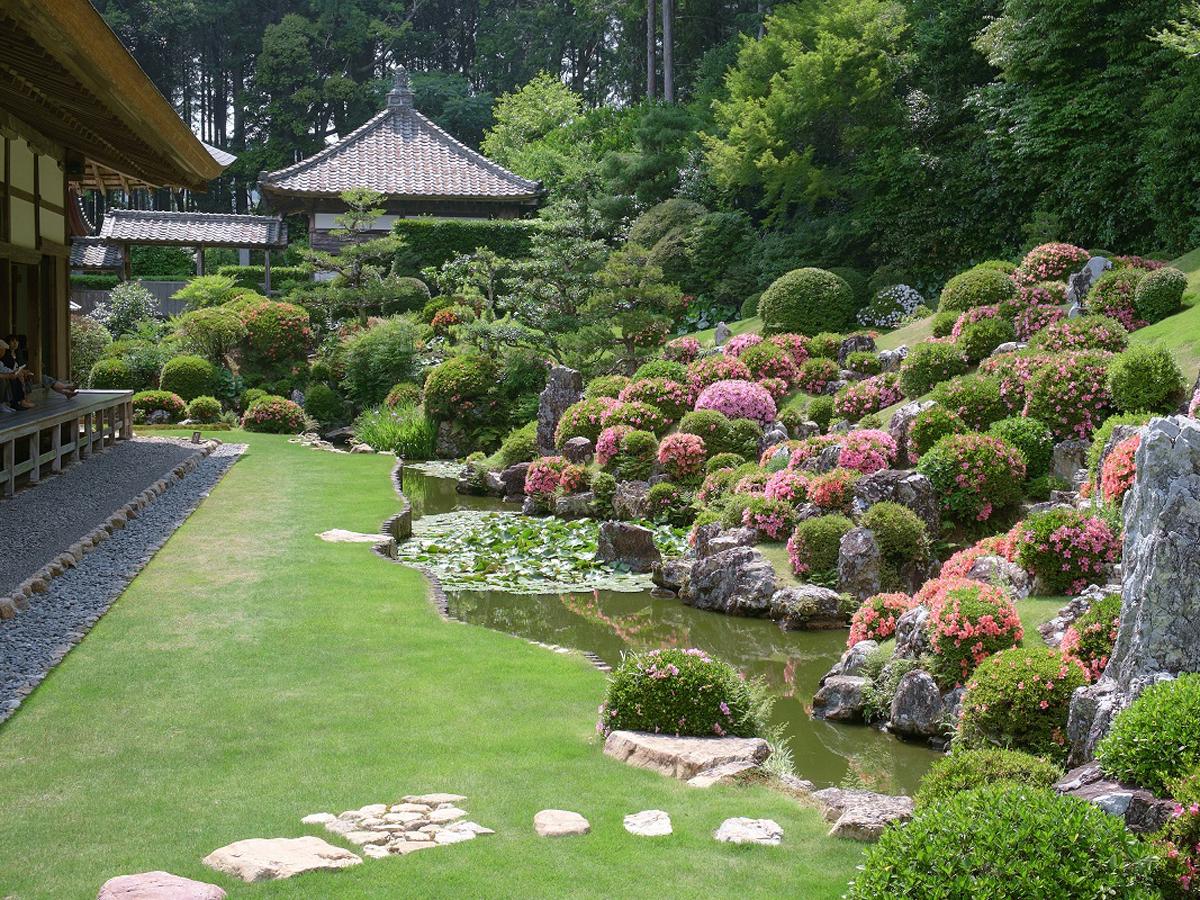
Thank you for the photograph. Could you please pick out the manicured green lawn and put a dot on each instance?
(253, 674)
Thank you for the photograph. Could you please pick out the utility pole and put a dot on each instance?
(651, 56)
(668, 29)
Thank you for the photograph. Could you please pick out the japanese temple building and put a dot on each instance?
(421, 170)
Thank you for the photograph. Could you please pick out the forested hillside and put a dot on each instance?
(923, 135)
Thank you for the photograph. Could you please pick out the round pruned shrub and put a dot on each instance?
(518, 446)
(929, 364)
(1155, 742)
(1090, 638)
(1082, 333)
(796, 346)
(723, 461)
(771, 518)
(684, 692)
(670, 503)
(974, 475)
(864, 362)
(788, 485)
(943, 323)
(1119, 470)
(965, 770)
(274, 415)
(890, 306)
(973, 398)
(977, 287)
(979, 339)
(669, 397)
(404, 393)
(462, 387)
(833, 490)
(824, 345)
(807, 301)
(659, 368)
(711, 369)
(682, 349)
(767, 360)
(278, 333)
(740, 342)
(1050, 262)
(1019, 699)
(820, 410)
(682, 456)
(1103, 433)
(324, 405)
(378, 357)
(1030, 320)
(1068, 549)
(876, 619)
(1115, 295)
(1178, 844)
(151, 401)
(628, 452)
(604, 488)
(250, 395)
(205, 410)
(642, 416)
(902, 539)
(931, 425)
(1145, 378)
(867, 450)
(968, 622)
(816, 374)
(714, 427)
(111, 374)
(187, 376)
(550, 475)
(814, 545)
(749, 307)
(861, 398)
(1069, 392)
(738, 400)
(1159, 294)
(1005, 842)
(583, 419)
(744, 436)
(606, 386)
(1032, 439)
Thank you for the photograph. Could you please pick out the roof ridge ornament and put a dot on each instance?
(401, 94)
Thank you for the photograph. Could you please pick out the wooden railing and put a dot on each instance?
(59, 431)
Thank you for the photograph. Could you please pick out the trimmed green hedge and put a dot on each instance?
(431, 243)
(94, 282)
(252, 277)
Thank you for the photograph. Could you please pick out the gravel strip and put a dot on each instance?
(42, 521)
(36, 640)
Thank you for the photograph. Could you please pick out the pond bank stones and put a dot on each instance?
(268, 859)
(684, 757)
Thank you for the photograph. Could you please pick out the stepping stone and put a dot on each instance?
(740, 830)
(559, 823)
(367, 837)
(376, 851)
(446, 814)
(158, 886)
(406, 818)
(373, 810)
(421, 808)
(472, 827)
(342, 536)
(434, 799)
(683, 757)
(407, 847)
(716, 774)
(318, 819)
(342, 826)
(452, 837)
(648, 823)
(268, 859)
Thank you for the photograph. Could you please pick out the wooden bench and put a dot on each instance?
(76, 428)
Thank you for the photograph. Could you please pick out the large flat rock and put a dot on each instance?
(683, 757)
(862, 815)
(158, 886)
(268, 859)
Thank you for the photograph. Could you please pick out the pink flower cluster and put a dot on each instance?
(796, 346)
(1033, 318)
(682, 455)
(810, 447)
(1119, 469)
(1083, 550)
(1048, 293)
(1072, 639)
(815, 375)
(550, 473)
(870, 395)
(637, 415)
(682, 349)
(867, 450)
(1070, 394)
(774, 518)
(960, 563)
(670, 397)
(1015, 371)
(776, 387)
(769, 361)
(1050, 262)
(1082, 334)
(789, 485)
(876, 618)
(1137, 262)
(738, 399)
(971, 316)
(969, 621)
(712, 369)
(739, 342)
(608, 445)
(752, 485)
(1113, 296)
(833, 490)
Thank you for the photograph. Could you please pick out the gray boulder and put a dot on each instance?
(574, 506)
(1069, 457)
(627, 545)
(840, 699)
(917, 707)
(629, 501)
(579, 450)
(738, 582)
(1009, 347)
(862, 815)
(808, 606)
(825, 461)
(852, 660)
(891, 360)
(512, 479)
(999, 571)
(910, 489)
(672, 573)
(912, 633)
(1140, 810)
(713, 538)
(854, 343)
(564, 387)
(859, 559)
(776, 434)
(1080, 283)
(898, 426)
(721, 335)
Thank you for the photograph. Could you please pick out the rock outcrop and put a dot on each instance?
(909, 489)
(917, 706)
(859, 561)
(564, 387)
(862, 815)
(684, 757)
(268, 859)
(158, 886)
(1141, 811)
(630, 546)
(739, 582)
(899, 424)
(840, 698)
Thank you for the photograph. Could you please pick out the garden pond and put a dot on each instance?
(534, 578)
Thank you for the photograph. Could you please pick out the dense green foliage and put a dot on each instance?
(806, 301)
(428, 243)
(1145, 378)
(188, 376)
(965, 770)
(1155, 741)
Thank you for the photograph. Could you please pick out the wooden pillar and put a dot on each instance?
(35, 458)
(200, 260)
(56, 448)
(651, 55)
(126, 263)
(668, 32)
(10, 466)
(267, 270)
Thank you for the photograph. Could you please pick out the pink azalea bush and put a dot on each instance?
(876, 618)
(1137, 262)
(608, 444)
(1119, 469)
(859, 398)
(789, 485)
(1035, 317)
(671, 398)
(682, 456)
(275, 415)
(776, 387)
(1091, 637)
(682, 349)
(738, 399)
(815, 375)
(970, 317)
(583, 419)
(974, 475)
(833, 490)
(1046, 293)
(1082, 334)
(739, 342)
(796, 346)
(772, 518)
(867, 450)
(1015, 371)
(712, 369)
(1068, 549)
(1050, 262)
(641, 416)
(1113, 295)
(1070, 394)
(551, 473)
(968, 622)
(811, 447)
(1003, 545)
